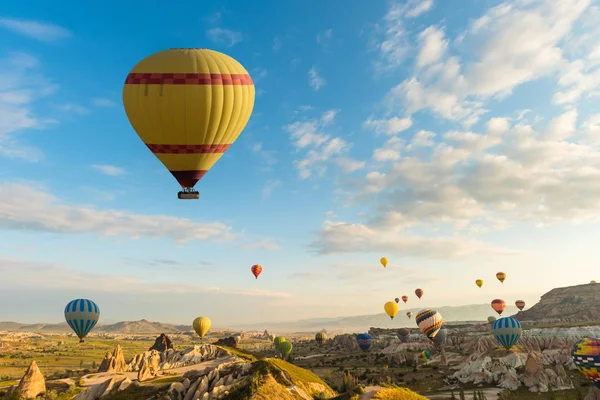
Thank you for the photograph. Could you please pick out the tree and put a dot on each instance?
(461, 394)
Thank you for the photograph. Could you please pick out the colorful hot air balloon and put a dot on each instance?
(507, 331)
(364, 340)
(419, 293)
(405, 299)
(479, 282)
(188, 106)
(520, 304)
(501, 276)
(429, 322)
(403, 334)
(391, 309)
(384, 261)
(321, 338)
(425, 354)
(285, 348)
(441, 337)
(491, 319)
(201, 325)
(277, 341)
(256, 270)
(409, 314)
(498, 305)
(397, 300)
(586, 357)
(82, 316)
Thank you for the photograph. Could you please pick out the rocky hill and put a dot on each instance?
(568, 304)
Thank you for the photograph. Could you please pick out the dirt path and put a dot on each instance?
(369, 392)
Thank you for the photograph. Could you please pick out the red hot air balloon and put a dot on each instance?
(419, 293)
(256, 270)
(405, 298)
(520, 304)
(498, 305)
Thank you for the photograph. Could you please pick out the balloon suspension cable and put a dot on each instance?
(188, 194)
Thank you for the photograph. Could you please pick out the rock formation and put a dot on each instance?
(114, 362)
(111, 385)
(573, 303)
(33, 383)
(228, 341)
(162, 343)
(593, 394)
(175, 359)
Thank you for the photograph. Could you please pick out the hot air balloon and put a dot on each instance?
(593, 282)
(285, 348)
(479, 282)
(409, 314)
(403, 334)
(425, 354)
(201, 325)
(498, 305)
(82, 316)
(321, 338)
(391, 309)
(397, 300)
(405, 299)
(440, 338)
(419, 293)
(256, 270)
(586, 357)
(384, 261)
(277, 341)
(188, 106)
(364, 340)
(501, 276)
(491, 319)
(507, 331)
(520, 304)
(429, 322)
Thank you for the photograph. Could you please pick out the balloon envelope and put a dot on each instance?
(320, 338)
(441, 337)
(201, 325)
(384, 261)
(188, 106)
(419, 292)
(491, 319)
(365, 341)
(409, 314)
(391, 309)
(256, 270)
(403, 334)
(82, 316)
(479, 282)
(429, 322)
(507, 331)
(520, 304)
(501, 276)
(586, 357)
(397, 300)
(405, 298)
(277, 341)
(285, 348)
(498, 305)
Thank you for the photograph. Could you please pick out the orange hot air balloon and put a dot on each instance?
(501, 276)
(419, 293)
(520, 304)
(188, 106)
(498, 305)
(256, 270)
(405, 298)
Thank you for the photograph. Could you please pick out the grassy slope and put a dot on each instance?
(397, 394)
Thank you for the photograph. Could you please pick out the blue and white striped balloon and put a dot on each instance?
(82, 315)
(507, 331)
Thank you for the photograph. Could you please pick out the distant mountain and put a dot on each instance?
(362, 323)
(127, 327)
(568, 304)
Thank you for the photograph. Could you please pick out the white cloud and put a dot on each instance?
(414, 8)
(341, 237)
(224, 36)
(349, 165)
(433, 46)
(323, 38)
(74, 108)
(269, 156)
(319, 146)
(109, 170)
(21, 86)
(315, 80)
(391, 126)
(263, 244)
(36, 30)
(270, 185)
(102, 102)
(390, 151)
(28, 207)
(40, 275)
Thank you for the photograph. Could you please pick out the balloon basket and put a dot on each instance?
(188, 195)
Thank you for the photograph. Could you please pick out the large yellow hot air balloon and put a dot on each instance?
(479, 282)
(188, 106)
(391, 308)
(384, 261)
(201, 325)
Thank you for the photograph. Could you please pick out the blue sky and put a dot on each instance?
(456, 138)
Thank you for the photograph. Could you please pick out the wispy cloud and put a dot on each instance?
(263, 244)
(33, 209)
(315, 80)
(270, 185)
(109, 170)
(74, 108)
(324, 38)
(224, 36)
(269, 156)
(44, 32)
(277, 43)
(102, 102)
